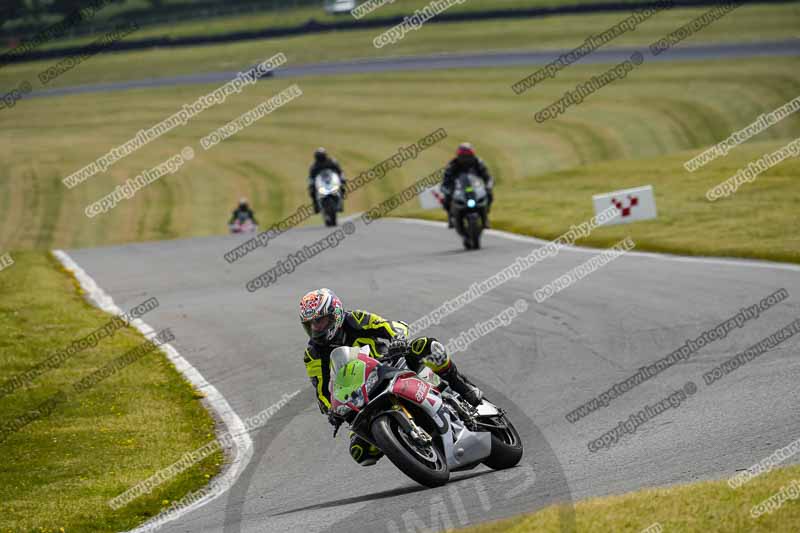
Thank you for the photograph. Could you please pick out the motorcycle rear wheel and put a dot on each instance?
(506, 445)
(426, 466)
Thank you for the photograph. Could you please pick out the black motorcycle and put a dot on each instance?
(469, 209)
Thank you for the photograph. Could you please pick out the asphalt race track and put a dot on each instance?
(545, 363)
(447, 61)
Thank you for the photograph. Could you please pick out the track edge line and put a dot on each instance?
(732, 261)
(243, 443)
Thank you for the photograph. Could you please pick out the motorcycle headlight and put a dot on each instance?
(470, 203)
(321, 190)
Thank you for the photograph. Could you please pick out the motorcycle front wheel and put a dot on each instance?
(473, 231)
(426, 465)
(329, 212)
(330, 219)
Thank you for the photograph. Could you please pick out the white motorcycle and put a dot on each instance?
(328, 185)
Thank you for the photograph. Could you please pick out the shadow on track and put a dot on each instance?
(374, 496)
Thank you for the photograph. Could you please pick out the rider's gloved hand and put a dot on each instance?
(336, 421)
(398, 347)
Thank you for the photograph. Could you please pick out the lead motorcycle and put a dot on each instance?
(425, 428)
(328, 185)
(469, 209)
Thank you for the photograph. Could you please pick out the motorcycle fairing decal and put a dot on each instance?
(439, 417)
(435, 400)
(429, 376)
(349, 379)
(412, 389)
(371, 366)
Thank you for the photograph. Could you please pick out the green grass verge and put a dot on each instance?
(756, 222)
(637, 131)
(562, 32)
(60, 471)
(280, 18)
(705, 506)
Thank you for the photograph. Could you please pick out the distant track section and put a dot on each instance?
(312, 26)
(444, 61)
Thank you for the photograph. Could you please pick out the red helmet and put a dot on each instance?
(322, 315)
(465, 150)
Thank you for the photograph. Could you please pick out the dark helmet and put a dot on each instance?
(465, 152)
(322, 315)
(320, 154)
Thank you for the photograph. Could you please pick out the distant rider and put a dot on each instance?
(328, 326)
(465, 162)
(322, 161)
(243, 212)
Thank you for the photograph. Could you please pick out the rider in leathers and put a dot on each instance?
(465, 162)
(328, 326)
(323, 161)
(243, 210)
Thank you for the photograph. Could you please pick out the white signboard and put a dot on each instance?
(632, 204)
(431, 198)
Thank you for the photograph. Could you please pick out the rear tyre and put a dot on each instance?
(506, 445)
(427, 466)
